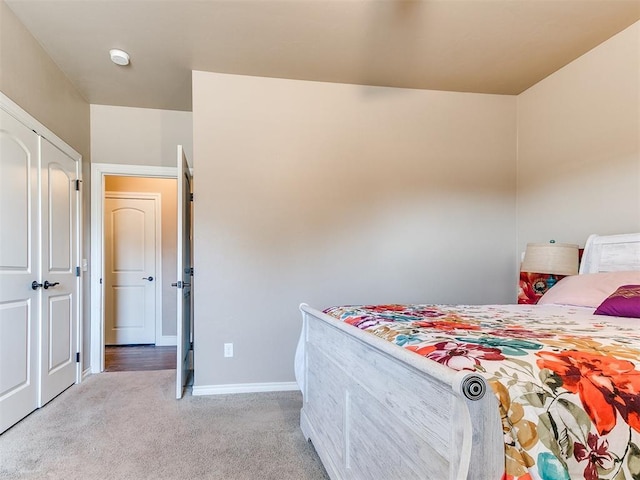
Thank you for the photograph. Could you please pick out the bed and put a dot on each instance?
(547, 391)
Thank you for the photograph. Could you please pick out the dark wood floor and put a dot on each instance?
(127, 358)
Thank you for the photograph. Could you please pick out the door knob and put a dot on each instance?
(47, 284)
(35, 285)
(150, 278)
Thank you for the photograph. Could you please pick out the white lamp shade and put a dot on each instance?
(551, 258)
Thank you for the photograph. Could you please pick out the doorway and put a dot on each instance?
(132, 262)
(129, 181)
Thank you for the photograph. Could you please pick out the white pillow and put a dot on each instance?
(589, 289)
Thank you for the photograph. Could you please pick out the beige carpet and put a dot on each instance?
(127, 425)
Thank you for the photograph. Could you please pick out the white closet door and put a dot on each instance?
(19, 267)
(59, 261)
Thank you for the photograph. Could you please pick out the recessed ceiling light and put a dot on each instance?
(119, 57)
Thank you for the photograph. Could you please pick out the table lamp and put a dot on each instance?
(552, 259)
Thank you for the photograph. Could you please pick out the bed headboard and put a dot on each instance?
(611, 253)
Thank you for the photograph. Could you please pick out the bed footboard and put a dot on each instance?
(373, 410)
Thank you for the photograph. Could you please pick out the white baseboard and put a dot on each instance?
(166, 341)
(245, 388)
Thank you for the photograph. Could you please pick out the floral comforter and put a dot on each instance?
(567, 381)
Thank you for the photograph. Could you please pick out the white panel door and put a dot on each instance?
(59, 203)
(183, 284)
(131, 245)
(19, 267)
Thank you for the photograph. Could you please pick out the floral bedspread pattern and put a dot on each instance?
(567, 381)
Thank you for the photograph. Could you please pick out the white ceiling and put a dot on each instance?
(487, 46)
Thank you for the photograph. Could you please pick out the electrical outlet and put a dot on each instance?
(228, 349)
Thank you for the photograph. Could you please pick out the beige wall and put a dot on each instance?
(328, 194)
(139, 136)
(578, 147)
(167, 188)
(30, 78)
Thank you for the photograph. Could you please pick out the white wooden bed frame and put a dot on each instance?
(377, 411)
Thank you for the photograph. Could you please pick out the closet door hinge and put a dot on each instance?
(77, 357)
(78, 185)
(77, 271)
(191, 197)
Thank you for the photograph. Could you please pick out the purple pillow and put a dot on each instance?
(624, 302)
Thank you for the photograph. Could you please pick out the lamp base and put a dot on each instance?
(533, 285)
(551, 281)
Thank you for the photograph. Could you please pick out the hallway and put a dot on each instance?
(129, 358)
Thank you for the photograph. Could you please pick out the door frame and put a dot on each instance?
(158, 338)
(98, 172)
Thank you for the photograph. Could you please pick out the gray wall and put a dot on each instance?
(329, 194)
